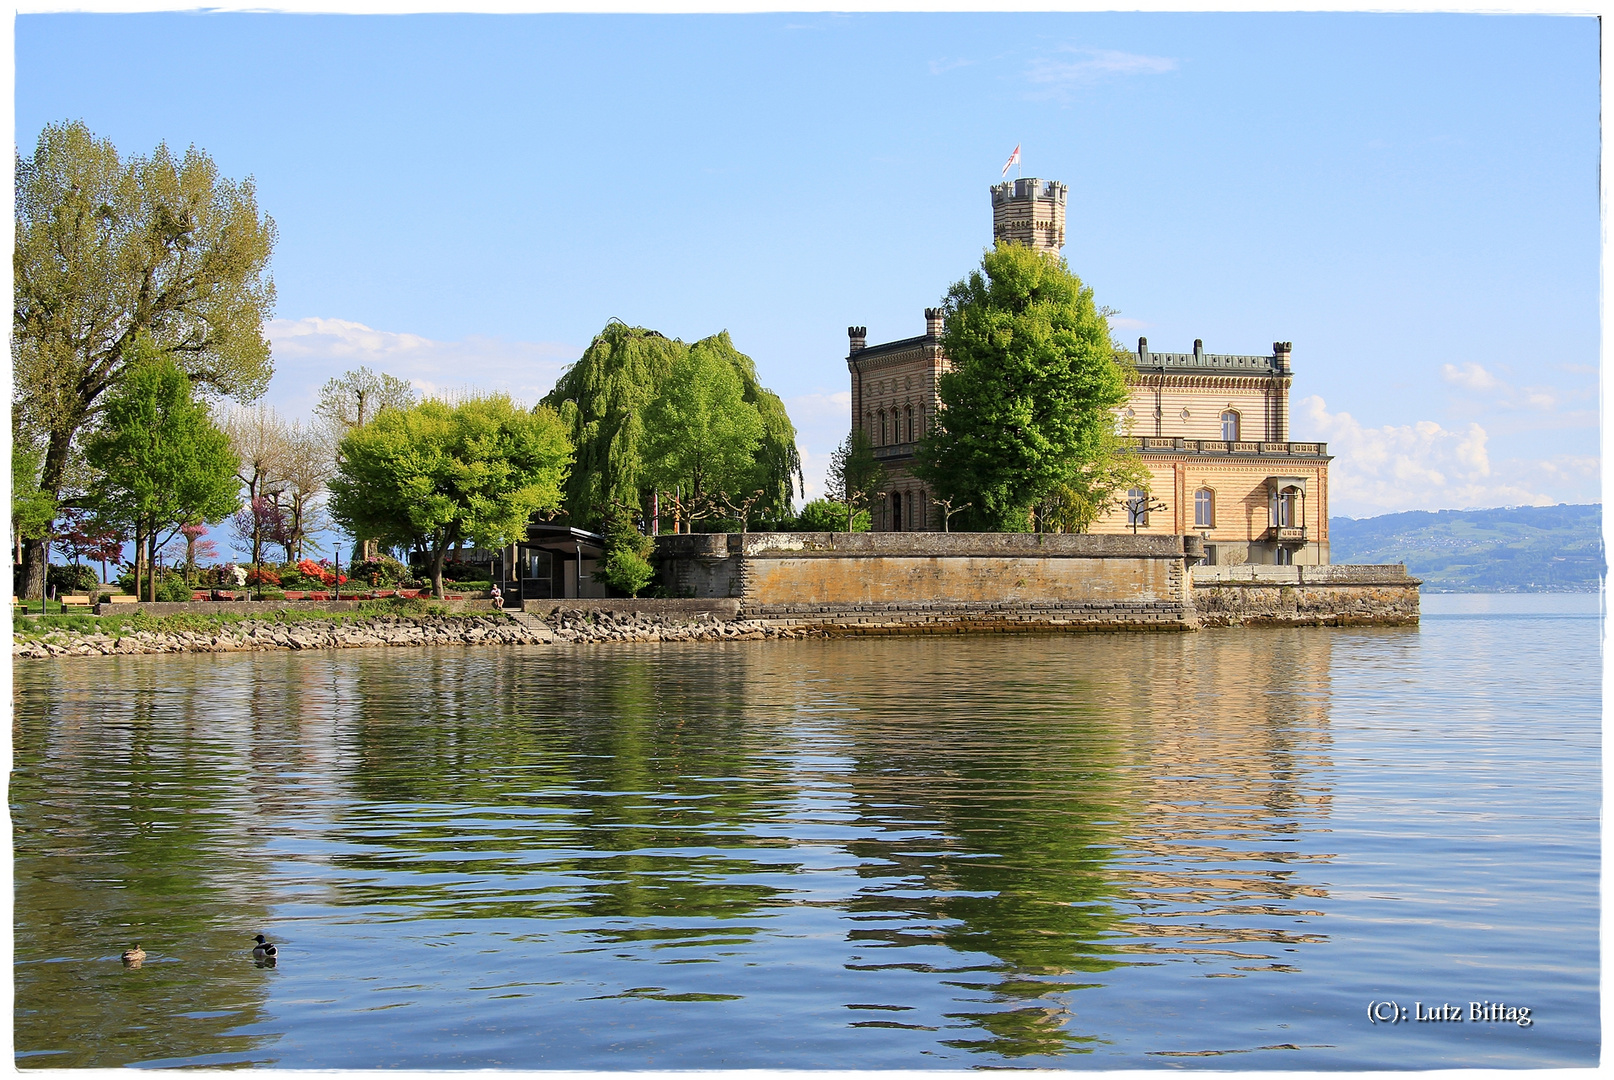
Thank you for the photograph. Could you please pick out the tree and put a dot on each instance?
(777, 469)
(32, 508)
(701, 434)
(163, 461)
(110, 249)
(260, 441)
(830, 515)
(433, 475)
(626, 562)
(603, 398)
(355, 397)
(83, 536)
(1094, 486)
(856, 477)
(306, 469)
(1031, 392)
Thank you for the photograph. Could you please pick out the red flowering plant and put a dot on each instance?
(262, 576)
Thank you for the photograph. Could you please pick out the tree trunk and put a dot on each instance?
(437, 557)
(139, 560)
(151, 564)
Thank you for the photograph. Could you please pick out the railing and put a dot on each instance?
(1286, 534)
(1221, 446)
(895, 450)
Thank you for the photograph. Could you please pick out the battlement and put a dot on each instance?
(1228, 363)
(1029, 189)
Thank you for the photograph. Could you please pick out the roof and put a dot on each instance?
(565, 540)
(1204, 361)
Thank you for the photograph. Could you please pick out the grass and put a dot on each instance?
(210, 622)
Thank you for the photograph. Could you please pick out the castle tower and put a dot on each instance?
(1030, 212)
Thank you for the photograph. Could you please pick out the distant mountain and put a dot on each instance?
(1521, 549)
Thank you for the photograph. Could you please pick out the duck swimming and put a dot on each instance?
(134, 955)
(263, 950)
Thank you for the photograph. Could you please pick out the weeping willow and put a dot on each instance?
(603, 397)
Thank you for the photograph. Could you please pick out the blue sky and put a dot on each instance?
(465, 201)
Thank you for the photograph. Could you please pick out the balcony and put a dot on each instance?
(1222, 448)
(894, 451)
(1284, 534)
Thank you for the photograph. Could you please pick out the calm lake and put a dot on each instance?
(1227, 849)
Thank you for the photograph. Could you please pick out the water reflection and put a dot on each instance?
(991, 828)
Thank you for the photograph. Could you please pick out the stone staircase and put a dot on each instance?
(531, 623)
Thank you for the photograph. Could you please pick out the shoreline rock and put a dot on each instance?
(564, 626)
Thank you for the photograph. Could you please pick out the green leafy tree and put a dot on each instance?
(109, 249)
(856, 477)
(603, 398)
(626, 564)
(434, 475)
(1094, 486)
(163, 462)
(701, 435)
(1032, 389)
(777, 470)
(32, 509)
(828, 515)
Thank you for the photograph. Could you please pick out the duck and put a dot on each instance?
(134, 955)
(262, 950)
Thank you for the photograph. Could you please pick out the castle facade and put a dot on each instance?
(1212, 428)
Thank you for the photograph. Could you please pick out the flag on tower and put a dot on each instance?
(1014, 159)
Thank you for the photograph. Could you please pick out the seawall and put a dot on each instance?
(940, 582)
(1342, 595)
(878, 583)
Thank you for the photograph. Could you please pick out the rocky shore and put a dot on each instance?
(561, 626)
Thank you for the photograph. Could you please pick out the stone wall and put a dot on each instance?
(939, 582)
(1340, 595)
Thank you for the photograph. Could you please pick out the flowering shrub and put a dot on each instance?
(262, 576)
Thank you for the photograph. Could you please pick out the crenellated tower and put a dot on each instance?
(1030, 212)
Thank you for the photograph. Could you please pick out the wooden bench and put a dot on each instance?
(122, 598)
(76, 600)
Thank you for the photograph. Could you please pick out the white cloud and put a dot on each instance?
(309, 351)
(1424, 466)
(1059, 76)
(1477, 379)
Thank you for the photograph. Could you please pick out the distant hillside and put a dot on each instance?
(1522, 549)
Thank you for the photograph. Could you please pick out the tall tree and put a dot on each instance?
(701, 435)
(353, 398)
(261, 443)
(109, 249)
(856, 477)
(306, 470)
(163, 461)
(603, 398)
(1032, 391)
(32, 508)
(433, 475)
(777, 473)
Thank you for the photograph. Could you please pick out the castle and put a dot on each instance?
(1212, 428)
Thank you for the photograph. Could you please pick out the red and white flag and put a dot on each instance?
(1014, 159)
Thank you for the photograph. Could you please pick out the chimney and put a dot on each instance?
(933, 322)
(1143, 350)
(1199, 350)
(1280, 353)
(859, 336)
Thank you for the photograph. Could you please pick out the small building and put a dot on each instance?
(554, 562)
(1212, 428)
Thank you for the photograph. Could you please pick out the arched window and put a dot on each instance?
(1283, 508)
(882, 428)
(1204, 508)
(896, 511)
(1137, 507)
(1230, 426)
(907, 419)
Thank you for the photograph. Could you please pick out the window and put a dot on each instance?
(882, 428)
(1230, 426)
(907, 419)
(1137, 507)
(896, 511)
(1283, 509)
(1204, 508)
(1283, 557)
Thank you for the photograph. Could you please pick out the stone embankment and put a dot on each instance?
(560, 625)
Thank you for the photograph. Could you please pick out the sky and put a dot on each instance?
(465, 201)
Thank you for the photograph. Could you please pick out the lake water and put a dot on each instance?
(1088, 851)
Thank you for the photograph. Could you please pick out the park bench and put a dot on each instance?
(80, 601)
